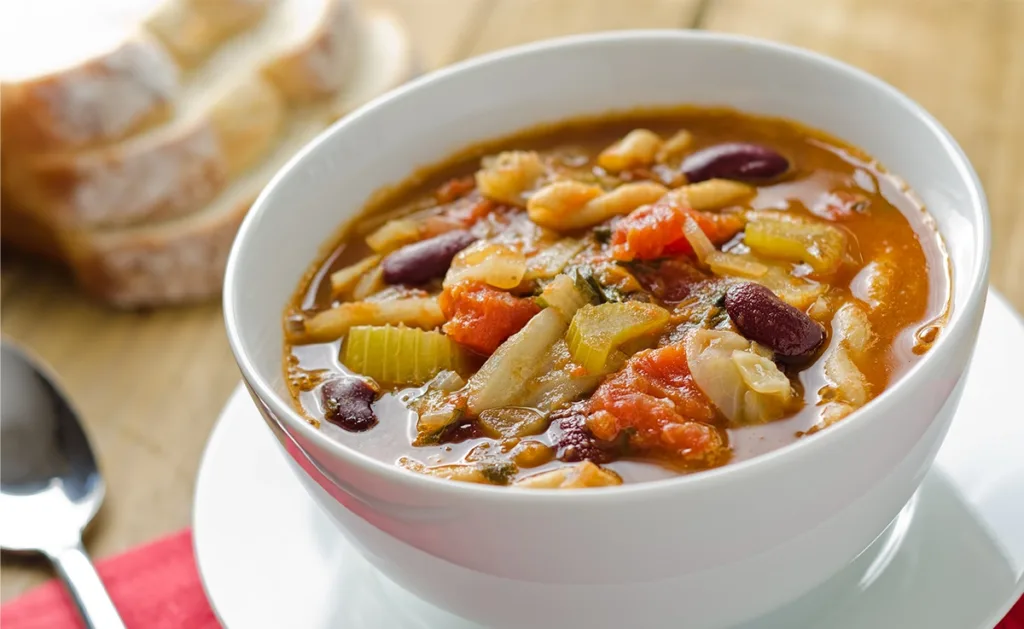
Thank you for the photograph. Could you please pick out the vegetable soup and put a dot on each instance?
(617, 299)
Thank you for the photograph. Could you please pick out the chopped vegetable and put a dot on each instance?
(848, 389)
(699, 242)
(656, 406)
(615, 277)
(734, 265)
(738, 376)
(604, 292)
(560, 380)
(784, 237)
(500, 380)
(498, 265)
(394, 234)
(481, 317)
(567, 294)
(582, 475)
(597, 331)
(551, 259)
(437, 408)
(653, 231)
(878, 283)
(400, 355)
(332, 324)
(344, 279)
(512, 422)
(799, 292)
(493, 471)
(371, 283)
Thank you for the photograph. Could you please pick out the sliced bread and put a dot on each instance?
(192, 29)
(227, 118)
(318, 65)
(183, 259)
(102, 84)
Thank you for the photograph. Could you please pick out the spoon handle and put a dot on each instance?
(86, 589)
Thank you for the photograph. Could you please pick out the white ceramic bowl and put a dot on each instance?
(714, 548)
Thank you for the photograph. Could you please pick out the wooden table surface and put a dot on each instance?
(150, 384)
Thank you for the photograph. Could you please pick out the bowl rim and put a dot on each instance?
(700, 481)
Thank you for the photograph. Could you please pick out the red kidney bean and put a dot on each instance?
(761, 316)
(734, 160)
(346, 403)
(422, 261)
(576, 442)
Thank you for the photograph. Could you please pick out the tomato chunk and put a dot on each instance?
(481, 317)
(655, 402)
(656, 230)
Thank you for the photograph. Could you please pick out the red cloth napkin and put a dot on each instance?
(156, 586)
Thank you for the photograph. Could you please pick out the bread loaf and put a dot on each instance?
(176, 257)
(178, 166)
(192, 29)
(105, 80)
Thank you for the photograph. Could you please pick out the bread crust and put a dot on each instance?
(182, 260)
(157, 268)
(192, 29)
(151, 177)
(321, 64)
(102, 99)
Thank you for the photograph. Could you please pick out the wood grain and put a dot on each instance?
(150, 384)
(512, 22)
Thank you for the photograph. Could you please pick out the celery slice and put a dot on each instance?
(788, 238)
(399, 355)
(597, 331)
(511, 422)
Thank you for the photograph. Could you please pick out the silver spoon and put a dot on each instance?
(50, 487)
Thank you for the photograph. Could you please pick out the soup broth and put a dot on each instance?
(617, 299)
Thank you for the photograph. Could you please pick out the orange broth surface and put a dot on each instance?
(885, 225)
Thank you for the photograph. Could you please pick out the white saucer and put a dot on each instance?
(269, 557)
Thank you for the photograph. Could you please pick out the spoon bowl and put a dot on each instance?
(50, 484)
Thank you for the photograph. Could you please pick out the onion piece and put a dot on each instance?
(702, 245)
(733, 265)
(499, 265)
(738, 377)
